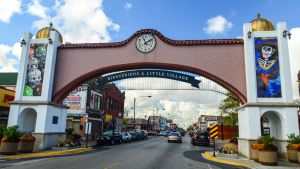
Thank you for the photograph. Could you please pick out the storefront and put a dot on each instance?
(6, 96)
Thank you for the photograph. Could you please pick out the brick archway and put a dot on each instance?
(73, 84)
(221, 60)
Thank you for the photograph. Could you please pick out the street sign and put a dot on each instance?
(213, 134)
(213, 131)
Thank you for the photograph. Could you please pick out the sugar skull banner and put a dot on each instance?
(35, 70)
(267, 68)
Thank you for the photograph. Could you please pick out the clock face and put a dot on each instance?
(145, 43)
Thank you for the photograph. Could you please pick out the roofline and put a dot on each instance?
(160, 36)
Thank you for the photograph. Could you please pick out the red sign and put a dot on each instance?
(8, 98)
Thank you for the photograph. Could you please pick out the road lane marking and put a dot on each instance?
(111, 166)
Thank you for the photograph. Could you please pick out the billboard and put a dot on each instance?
(35, 70)
(267, 68)
(76, 99)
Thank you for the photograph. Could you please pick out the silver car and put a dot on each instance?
(174, 137)
(126, 136)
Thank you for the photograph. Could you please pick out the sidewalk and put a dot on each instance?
(241, 161)
(50, 153)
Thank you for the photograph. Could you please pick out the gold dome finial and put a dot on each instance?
(261, 24)
(45, 33)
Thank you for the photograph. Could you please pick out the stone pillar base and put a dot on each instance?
(47, 140)
(245, 147)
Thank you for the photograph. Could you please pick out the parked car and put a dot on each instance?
(200, 138)
(136, 136)
(166, 133)
(161, 133)
(144, 134)
(108, 137)
(191, 133)
(152, 133)
(126, 137)
(174, 137)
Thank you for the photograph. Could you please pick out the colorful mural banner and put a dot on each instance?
(267, 68)
(35, 70)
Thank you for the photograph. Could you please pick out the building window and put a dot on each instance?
(55, 120)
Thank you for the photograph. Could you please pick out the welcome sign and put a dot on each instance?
(148, 73)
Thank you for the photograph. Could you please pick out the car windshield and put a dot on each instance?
(125, 134)
(107, 132)
(199, 133)
(175, 134)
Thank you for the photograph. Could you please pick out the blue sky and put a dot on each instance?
(116, 20)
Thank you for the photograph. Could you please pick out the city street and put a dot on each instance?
(154, 153)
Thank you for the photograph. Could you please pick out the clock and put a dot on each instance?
(145, 43)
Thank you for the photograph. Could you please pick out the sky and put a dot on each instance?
(116, 20)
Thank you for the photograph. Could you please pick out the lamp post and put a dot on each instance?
(134, 100)
(86, 88)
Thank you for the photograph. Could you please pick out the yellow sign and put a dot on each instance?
(6, 96)
(108, 117)
(213, 131)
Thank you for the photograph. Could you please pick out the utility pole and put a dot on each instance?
(134, 99)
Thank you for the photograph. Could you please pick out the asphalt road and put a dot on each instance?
(154, 153)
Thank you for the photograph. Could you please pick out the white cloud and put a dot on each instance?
(79, 21)
(36, 9)
(6, 63)
(217, 25)
(294, 51)
(8, 8)
(16, 50)
(128, 6)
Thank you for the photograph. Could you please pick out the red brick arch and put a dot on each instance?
(219, 60)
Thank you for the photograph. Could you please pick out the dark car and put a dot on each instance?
(108, 137)
(136, 136)
(144, 134)
(200, 138)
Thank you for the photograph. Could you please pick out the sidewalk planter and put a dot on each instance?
(267, 152)
(25, 147)
(231, 147)
(26, 143)
(292, 152)
(292, 156)
(298, 154)
(9, 148)
(10, 141)
(254, 152)
(293, 147)
(267, 158)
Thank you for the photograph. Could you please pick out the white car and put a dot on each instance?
(174, 137)
(126, 136)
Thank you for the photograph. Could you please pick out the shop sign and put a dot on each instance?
(6, 96)
(108, 117)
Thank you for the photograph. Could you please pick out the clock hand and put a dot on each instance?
(149, 40)
(145, 43)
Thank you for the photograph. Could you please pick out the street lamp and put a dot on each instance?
(134, 100)
(85, 87)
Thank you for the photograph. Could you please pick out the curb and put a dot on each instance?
(48, 154)
(208, 156)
